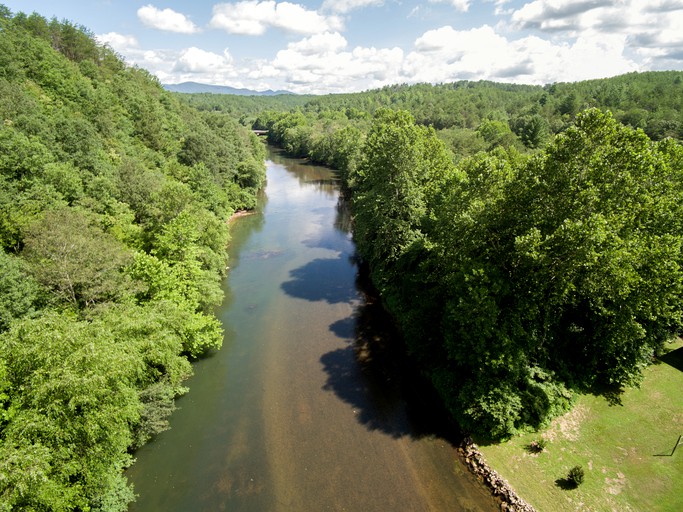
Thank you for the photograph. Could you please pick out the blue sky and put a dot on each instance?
(329, 46)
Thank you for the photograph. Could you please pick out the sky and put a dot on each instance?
(332, 46)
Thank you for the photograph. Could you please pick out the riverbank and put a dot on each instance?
(239, 214)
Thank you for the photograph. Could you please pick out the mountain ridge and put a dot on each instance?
(196, 87)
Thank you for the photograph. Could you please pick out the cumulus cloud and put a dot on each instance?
(556, 15)
(254, 17)
(460, 5)
(650, 29)
(321, 63)
(196, 60)
(118, 42)
(344, 6)
(446, 54)
(542, 41)
(166, 19)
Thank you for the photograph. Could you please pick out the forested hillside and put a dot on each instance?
(114, 198)
(472, 116)
(528, 249)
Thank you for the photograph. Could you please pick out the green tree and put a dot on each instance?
(74, 258)
(400, 164)
(20, 293)
(579, 287)
(73, 401)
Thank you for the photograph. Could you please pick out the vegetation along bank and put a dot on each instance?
(114, 198)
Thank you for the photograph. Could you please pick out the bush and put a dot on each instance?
(538, 446)
(575, 476)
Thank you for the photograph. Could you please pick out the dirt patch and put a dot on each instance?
(240, 213)
(568, 425)
(614, 486)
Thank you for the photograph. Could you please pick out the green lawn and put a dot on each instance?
(624, 450)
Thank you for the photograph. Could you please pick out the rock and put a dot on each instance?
(499, 487)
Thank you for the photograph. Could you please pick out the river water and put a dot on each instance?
(300, 410)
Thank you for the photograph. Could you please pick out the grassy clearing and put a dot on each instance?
(622, 448)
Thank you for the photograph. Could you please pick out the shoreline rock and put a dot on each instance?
(500, 488)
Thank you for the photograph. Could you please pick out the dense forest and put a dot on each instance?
(468, 116)
(114, 198)
(528, 240)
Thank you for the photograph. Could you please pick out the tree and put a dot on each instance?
(20, 293)
(578, 288)
(73, 400)
(400, 165)
(74, 258)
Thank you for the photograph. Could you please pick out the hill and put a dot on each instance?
(114, 198)
(194, 87)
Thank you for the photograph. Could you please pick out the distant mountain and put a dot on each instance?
(194, 87)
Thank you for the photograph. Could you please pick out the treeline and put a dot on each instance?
(114, 198)
(518, 274)
(475, 116)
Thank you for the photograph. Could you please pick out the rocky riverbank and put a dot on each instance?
(500, 488)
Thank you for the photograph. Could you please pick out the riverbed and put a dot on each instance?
(300, 410)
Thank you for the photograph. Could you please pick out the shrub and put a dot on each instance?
(538, 446)
(575, 476)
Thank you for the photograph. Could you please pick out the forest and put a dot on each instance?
(527, 240)
(114, 198)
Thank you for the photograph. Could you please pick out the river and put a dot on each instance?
(300, 410)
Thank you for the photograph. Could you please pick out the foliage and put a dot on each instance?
(510, 309)
(114, 198)
(575, 476)
(577, 289)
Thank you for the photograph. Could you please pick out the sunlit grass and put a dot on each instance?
(624, 449)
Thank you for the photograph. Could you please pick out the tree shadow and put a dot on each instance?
(323, 279)
(344, 328)
(380, 383)
(565, 484)
(611, 393)
(673, 358)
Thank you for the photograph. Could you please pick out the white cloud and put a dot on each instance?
(166, 19)
(460, 5)
(344, 6)
(119, 42)
(196, 60)
(322, 63)
(253, 17)
(558, 15)
(446, 54)
(541, 42)
(650, 29)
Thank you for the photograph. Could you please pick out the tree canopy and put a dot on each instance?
(114, 198)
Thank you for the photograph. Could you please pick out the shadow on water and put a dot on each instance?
(322, 279)
(378, 380)
(344, 328)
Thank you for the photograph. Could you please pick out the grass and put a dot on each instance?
(624, 450)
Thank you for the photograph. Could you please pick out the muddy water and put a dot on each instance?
(298, 411)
